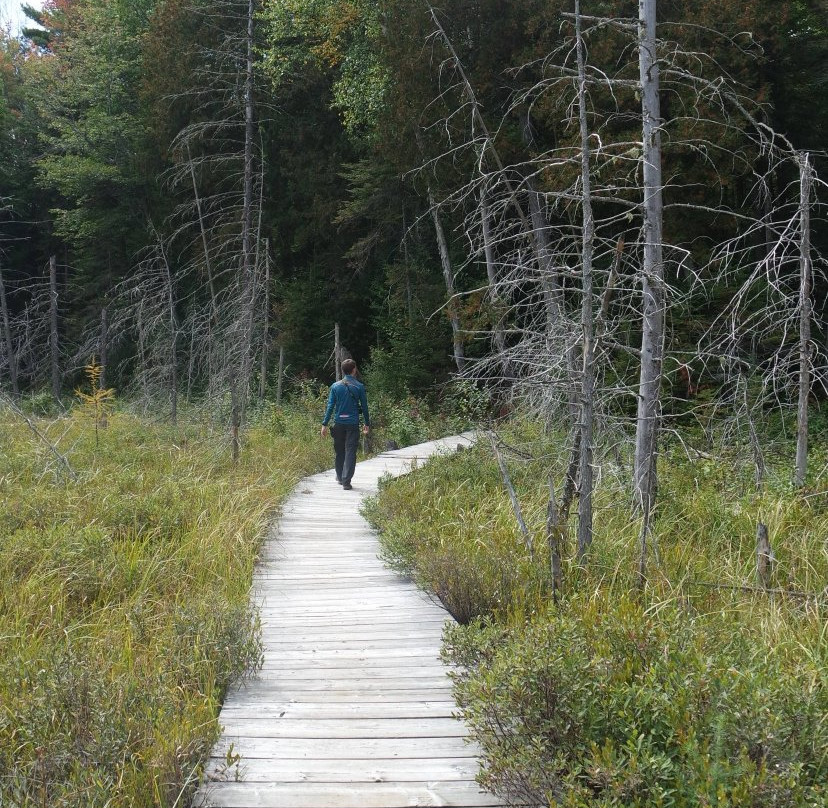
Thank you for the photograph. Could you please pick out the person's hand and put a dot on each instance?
(323, 431)
(366, 429)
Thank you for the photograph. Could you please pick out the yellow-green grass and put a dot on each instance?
(124, 600)
(701, 690)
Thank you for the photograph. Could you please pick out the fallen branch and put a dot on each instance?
(17, 411)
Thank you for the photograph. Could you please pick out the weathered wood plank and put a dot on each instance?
(276, 727)
(365, 795)
(350, 748)
(279, 770)
(357, 709)
(373, 693)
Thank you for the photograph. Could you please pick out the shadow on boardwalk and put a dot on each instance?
(352, 708)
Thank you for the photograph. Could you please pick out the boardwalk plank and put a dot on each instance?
(352, 707)
(362, 795)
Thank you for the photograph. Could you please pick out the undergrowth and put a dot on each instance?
(702, 690)
(124, 609)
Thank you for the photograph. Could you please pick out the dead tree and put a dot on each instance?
(54, 347)
(805, 273)
(587, 414)
(215, 232)
(11, 353)
(652, 272)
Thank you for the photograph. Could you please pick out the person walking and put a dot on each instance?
(346, 401)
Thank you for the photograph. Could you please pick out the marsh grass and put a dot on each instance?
(703, 690)
(124, 609)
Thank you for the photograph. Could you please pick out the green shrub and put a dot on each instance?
(602, 703)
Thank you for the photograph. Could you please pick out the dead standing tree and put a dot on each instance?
(652, 278)
(216, 228)
(762, 339)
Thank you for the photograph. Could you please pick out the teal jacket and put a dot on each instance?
(345, 402)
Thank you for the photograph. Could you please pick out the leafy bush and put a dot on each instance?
(603, 703)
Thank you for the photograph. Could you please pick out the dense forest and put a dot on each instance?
(593, 230)
(214, 181)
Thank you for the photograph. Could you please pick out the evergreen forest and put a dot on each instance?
(593, 231)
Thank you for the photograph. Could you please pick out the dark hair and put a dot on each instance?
(348, 367)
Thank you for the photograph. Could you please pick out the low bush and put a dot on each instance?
(603, 703)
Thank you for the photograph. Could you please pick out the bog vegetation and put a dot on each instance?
(124, 603)
(706, 688)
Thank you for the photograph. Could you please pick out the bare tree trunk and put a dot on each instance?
(243, 332)
(494, 296)
(448, 276)
(555, 533)
(571, 479)
(103, 347)
(7, 338)
(207, 265)
(510, 489)
(337, 353)
(173, 337)
(248, 267)
(764, 556)
(281, 374)
(587, 413)
(265, 324)
(543, 251)
(653, 298)
(804, 319)
(54, 348)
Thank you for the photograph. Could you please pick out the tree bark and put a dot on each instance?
(281, 374)
(448, 276)
(337, 353)
(248, 265)
(805, 179)
(764, 555)
(587, 409)
(54, 347)
(494, 296)
(652, 281)
(265, 324)
(11, 356)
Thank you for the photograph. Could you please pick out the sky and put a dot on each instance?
(11, 15)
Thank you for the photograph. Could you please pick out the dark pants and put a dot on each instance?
(346, 441)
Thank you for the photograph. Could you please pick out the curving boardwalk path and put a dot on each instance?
(352, 708)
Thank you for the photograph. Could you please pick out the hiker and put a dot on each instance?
(345, 402)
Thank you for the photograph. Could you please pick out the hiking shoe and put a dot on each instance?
(346, 486)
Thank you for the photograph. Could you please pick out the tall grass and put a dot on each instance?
(124, 608)
(702, 690)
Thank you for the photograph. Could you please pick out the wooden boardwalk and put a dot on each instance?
(352, 708)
